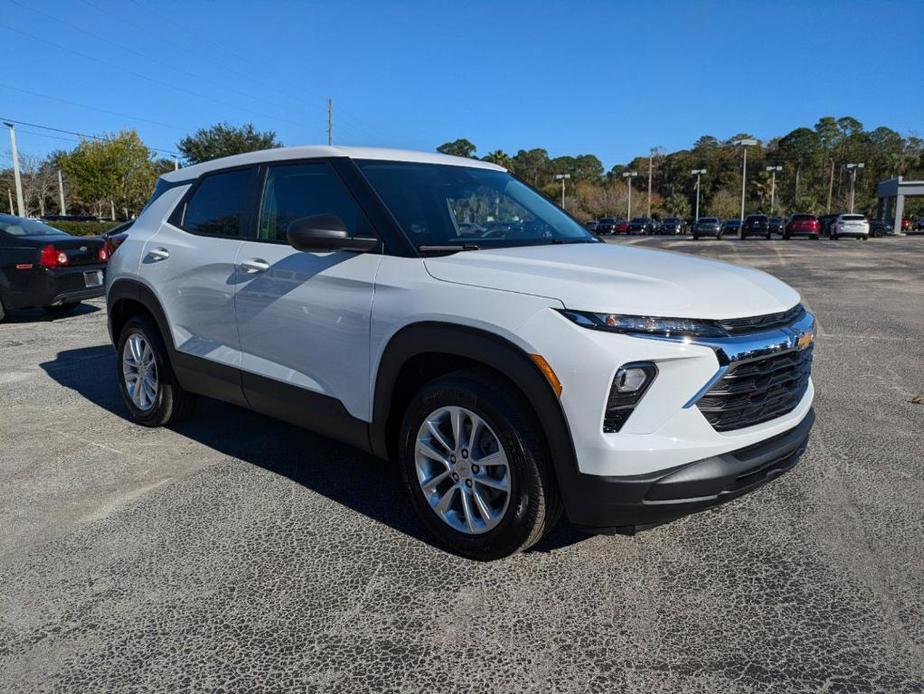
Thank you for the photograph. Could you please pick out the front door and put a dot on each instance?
(304, 317)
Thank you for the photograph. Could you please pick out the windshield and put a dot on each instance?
(709, 220)
(438, 204)
(17, 226)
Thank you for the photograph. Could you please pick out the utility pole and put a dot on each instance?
(562, 178)
(18, 180)
(852, 168)
(773, 170)
(697, 173)
(176, 163)
(830, 186)
(651, 155)
(629, 175)
(330, 121)
(744, 169)
(61, 193)
(10, 195)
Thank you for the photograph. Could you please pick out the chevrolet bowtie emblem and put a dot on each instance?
(805, 339)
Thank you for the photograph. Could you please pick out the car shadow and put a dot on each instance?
(40, 315)
(322, 465)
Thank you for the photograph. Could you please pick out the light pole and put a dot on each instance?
(697, 173)
(852, 168)
(773, 170)
(19, 200)
(654, 151)
(744, 168)
(629, 175)
(562, 178)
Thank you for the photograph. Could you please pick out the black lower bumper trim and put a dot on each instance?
(631, 503)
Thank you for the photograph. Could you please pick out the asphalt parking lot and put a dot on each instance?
(235, 552)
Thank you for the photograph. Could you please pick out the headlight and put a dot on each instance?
(645, 325)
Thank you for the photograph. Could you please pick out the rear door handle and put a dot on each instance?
(255, 265)
(159, 253)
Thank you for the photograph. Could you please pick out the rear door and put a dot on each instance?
(190, 264)
(304, 317)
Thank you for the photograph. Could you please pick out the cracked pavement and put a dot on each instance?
(234, 552)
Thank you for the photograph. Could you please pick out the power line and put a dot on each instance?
(92, 108)
(74, 132)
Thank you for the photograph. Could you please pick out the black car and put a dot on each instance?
(591, 226)
(42, 266)
(827, 222)
(640, 225)
(606, 226)
(671, 225)
(879, 228)
(707, 226)
(730, 226)
(755, 224)
(776, 225)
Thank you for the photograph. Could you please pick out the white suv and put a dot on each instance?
(850, 225)
(437, 312)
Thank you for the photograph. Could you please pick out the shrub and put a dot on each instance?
(83, 228)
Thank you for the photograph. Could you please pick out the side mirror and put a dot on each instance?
(326, 232)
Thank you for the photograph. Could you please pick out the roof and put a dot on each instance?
(318, 151)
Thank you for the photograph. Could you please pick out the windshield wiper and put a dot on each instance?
(448, 248)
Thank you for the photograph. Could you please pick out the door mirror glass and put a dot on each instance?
(326, 232)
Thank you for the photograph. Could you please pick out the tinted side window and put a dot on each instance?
(219, 204)
(296, 191)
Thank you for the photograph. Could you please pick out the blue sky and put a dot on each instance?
(609, 78)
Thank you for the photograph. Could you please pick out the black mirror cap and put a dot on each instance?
(326, 232)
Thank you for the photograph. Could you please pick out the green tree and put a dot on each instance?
(115, 172)
(458, 148)
(223, 140)
(499, 157)
(678, 205)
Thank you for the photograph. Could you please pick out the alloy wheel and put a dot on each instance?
(139, 370)
(462, 470)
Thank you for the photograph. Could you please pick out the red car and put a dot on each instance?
(807, 224)
(906, 225)
(622, 227)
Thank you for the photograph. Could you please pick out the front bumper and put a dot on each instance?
(627, 504)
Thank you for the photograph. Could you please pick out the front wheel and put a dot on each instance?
(146, 379)
(476, 468)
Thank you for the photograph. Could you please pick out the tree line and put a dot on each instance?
(112, 175)
(814, 176)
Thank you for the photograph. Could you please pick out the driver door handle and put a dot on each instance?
(255, 265)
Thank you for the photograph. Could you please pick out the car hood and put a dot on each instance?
(620, 279)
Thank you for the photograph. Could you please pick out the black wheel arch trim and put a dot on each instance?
(492, 351)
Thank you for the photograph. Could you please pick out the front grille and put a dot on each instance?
(757, 391)
(770, 321)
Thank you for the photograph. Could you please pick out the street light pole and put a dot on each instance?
(562, 178)
(773, 170)
(697, 173)
(61, 193)
(744, 169)
(651, 156)
(852, 168)
(17, 179)
(629, 175)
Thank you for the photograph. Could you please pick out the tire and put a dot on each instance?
(170, 403)
(834, 237)
(2, 311)
(63, 307)
(532, 506)
(695, 237)
(786, 237)
(769, 236)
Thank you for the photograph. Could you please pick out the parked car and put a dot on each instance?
(730, 227)
(776, 225)
(605, 226)
(640, 225)
(906, 224)
(755, 225)
(621, 226)
(920, 225)
(707, 226)
(850, 225)
(879, 228)
(802, 224)
(511, 379)
(827, 222)
(591, 226)
(113, 238)
(671, 225)
(71, 218)
(41, 266)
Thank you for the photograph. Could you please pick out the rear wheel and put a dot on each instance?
(2, 311)
(146, 379)
(476, 468)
